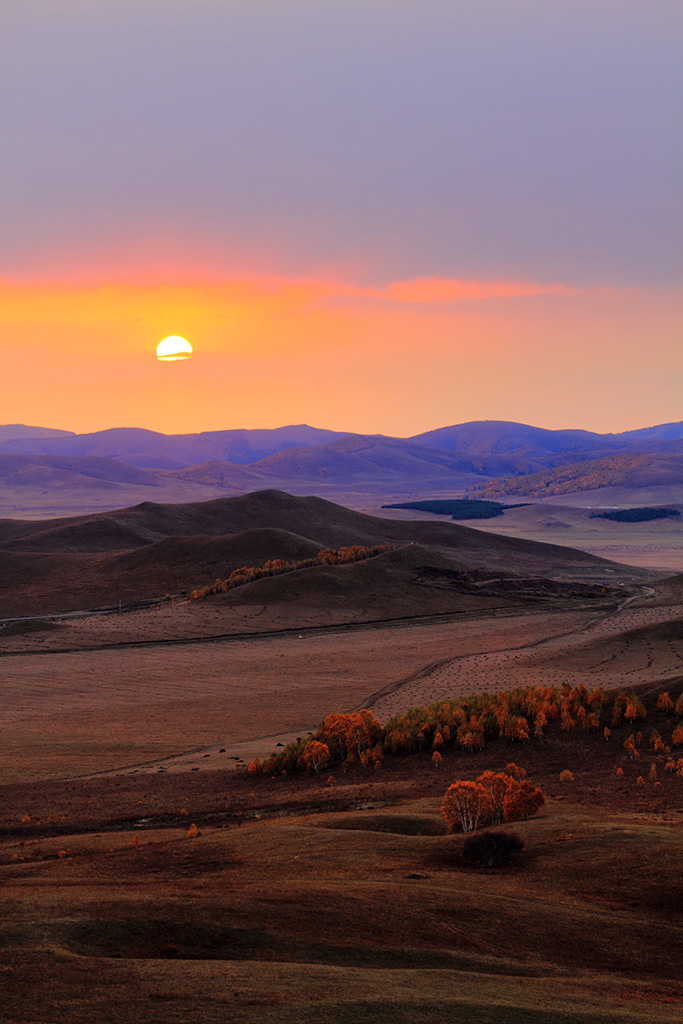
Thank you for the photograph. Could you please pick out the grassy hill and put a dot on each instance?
(146, 551)
(633, 471)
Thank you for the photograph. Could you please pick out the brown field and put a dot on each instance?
(88, 711)
(347, 900)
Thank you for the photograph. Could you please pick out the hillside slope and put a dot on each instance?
(636, 471)
(143, 552)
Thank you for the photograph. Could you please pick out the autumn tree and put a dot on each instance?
(496, 785)
(522, 800)
(316, 755)
(465, 804)
(634, 709)
(665, 703)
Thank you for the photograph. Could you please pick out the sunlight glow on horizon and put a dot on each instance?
(173, 348)
(397, 359)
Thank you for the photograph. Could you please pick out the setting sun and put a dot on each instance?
(173, 347)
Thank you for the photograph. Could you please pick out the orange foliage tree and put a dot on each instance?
(316, 755)
(522, 800)
(466, 804)
(496, 785)
(665, 703)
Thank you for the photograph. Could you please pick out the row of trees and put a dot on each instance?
(278, 566)
(521, 715)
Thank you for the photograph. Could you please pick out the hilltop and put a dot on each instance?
(141, 553)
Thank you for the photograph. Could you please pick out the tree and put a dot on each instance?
(665, 703)
(522, 800)
(316, 755)
(496, 785)
(466, 804)
(634, 709)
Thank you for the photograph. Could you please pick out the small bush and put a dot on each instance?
(492, 849)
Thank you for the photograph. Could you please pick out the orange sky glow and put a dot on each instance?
(397, 358)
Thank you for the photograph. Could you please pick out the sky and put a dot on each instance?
(381, 216)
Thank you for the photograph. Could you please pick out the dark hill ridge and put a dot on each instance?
(175, 548)
(32, 583)
(408, 581)
(319, 520)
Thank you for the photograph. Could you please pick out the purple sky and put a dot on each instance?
(507, 139)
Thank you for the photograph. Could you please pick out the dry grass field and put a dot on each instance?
(298, 896)
(566, 520)
(351, 902)
(87, 711)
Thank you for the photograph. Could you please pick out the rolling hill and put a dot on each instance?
(20, 431)
(352, 468)
(60, 471)
(637, 471)
(346, 461)
(499, 437)
(149, 449)
(143, 552)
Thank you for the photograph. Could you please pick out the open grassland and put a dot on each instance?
(349, 902)
(140, 879)
(96, 710)
(125, 695)
(566, 520)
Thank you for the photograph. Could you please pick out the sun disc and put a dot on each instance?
(173, 347)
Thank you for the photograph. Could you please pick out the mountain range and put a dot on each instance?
(39, 467)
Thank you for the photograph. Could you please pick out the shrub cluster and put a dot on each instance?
(492, 849)
(278, 566)
(353, 738)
